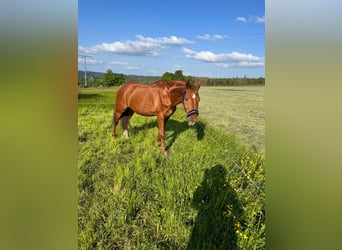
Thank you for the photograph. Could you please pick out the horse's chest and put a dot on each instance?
(169, 111)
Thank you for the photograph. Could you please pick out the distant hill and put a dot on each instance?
(90, 73)
(235, 81)
(143, 79)
(138, 78)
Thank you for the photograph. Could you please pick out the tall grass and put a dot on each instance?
(208, 194)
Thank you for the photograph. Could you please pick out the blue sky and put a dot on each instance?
(217, 38)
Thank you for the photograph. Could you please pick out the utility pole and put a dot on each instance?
(85, 68)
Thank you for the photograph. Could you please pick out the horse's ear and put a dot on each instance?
(188, 85)
(198, 85)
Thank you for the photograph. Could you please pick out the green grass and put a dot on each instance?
(208, 194)
(237, 109)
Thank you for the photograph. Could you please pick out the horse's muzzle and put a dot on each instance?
(191, 122)
(192, 117)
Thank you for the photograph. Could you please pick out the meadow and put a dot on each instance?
(207, 194)
(239, 110)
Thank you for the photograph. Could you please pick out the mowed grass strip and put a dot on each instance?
(238, 109)
(208, 194)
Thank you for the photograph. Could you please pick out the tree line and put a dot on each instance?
(107, 79)
(110, 79)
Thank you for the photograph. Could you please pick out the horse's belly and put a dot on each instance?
(144, 112)
(142, 105)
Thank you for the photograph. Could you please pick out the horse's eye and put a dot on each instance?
(186, 99)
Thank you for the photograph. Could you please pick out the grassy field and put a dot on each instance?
(239, 110)
(208, 194)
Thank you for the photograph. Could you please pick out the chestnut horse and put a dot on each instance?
(157, 99)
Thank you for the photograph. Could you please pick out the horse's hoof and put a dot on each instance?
(166, 154)
(125, 133)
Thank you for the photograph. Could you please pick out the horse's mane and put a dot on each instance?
(175, 88)
(169, 83)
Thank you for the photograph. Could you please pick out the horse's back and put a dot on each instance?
(143, 99)
(168, 83)
(160, 94)
(126, 87)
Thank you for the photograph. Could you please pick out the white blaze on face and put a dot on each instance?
(193, 96)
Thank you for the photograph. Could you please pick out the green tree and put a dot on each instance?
(168, 76)
(108, 79)
(179, 75)
(119, 79)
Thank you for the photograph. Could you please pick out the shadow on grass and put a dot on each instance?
(88, 96)
(96, 98)
(218, 211)
(176, 127)
(179, 127)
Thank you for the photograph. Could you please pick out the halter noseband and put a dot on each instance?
(191, 112)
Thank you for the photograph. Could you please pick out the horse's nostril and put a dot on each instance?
(191, 123)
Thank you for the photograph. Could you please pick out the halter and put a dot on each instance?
(191, 112)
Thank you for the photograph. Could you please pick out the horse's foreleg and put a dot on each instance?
(161, 134)
(115, 122)
(116, 117)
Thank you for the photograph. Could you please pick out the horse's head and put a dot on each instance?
(190, 102)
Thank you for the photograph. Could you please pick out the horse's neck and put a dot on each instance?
(176, 93)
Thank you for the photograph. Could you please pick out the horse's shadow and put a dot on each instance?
(176, 127)
(179, 127)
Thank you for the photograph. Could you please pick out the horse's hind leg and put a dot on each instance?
(118, 113)
(125, 117)
(125, 122)
(116, 118)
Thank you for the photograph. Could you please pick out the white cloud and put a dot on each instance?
(126, 48)
(117, 63)
(214, 37)
(131, 67)
(241, 19)
(124, 65)
(170, 41)
(259, 19)
(89, 61)
(225, 60)
(251, 19)
(143, 46)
